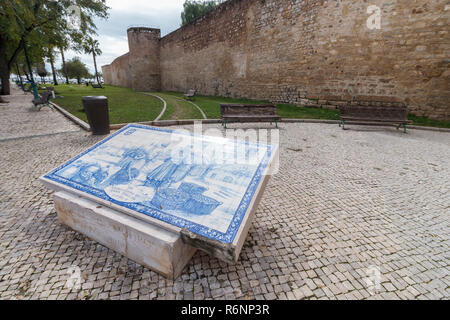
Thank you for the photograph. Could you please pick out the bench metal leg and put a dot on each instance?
(225, 123)
(276, 124)
(342, 124)
(404, 127)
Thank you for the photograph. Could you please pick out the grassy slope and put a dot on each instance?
(128, 106)
(423, 121)
(291, 111)
(211, 105)
(125, 105)
(178, 109)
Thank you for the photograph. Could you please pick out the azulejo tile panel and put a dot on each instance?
(203, 183)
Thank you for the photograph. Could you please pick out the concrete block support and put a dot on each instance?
(160, 250)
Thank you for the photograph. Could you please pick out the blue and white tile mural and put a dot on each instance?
(190, 181)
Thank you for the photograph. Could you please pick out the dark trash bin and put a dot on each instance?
(97, 112)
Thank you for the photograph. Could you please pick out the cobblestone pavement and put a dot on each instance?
(19, 118)
(345, 207)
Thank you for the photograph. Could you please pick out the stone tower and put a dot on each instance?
(144, 58)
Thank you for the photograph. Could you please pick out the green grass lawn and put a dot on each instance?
(125, 105)
(423, 121)
(178, 109)
(211, 105)
(292, 111)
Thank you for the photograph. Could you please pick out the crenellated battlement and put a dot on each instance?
(144, 30)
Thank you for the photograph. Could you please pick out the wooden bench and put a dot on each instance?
(190, 95)
(249, 113)
(96, 86)
(370, 115)
(46, 88)
(43, 101)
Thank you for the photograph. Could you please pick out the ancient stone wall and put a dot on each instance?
(118, 73)
(316, 53)
(145, 58)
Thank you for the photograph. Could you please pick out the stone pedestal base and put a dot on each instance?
(160, 250)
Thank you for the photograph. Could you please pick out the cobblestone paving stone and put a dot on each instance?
(20, 118)
(344, 203)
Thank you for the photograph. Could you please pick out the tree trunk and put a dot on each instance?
(4, 69)
(52, 64)
(27, 58)
(20, 76)
(95, 66)
(4, 76)
(64, 65)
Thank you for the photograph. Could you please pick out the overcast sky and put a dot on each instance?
(112, 33)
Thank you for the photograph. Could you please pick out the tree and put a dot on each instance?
(63, 45)
(75, 69)
(194, 9)
(92, 46)
(22, 21)
(20, 68)
(19, 75)
(42, 71)
(50, 55)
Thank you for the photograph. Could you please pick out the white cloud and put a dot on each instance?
(115, 46)
(143, 6)
(112, 47)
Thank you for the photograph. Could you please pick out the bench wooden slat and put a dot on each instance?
(251, 116)
(368, 114)
(374, 120)
(249, 113)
